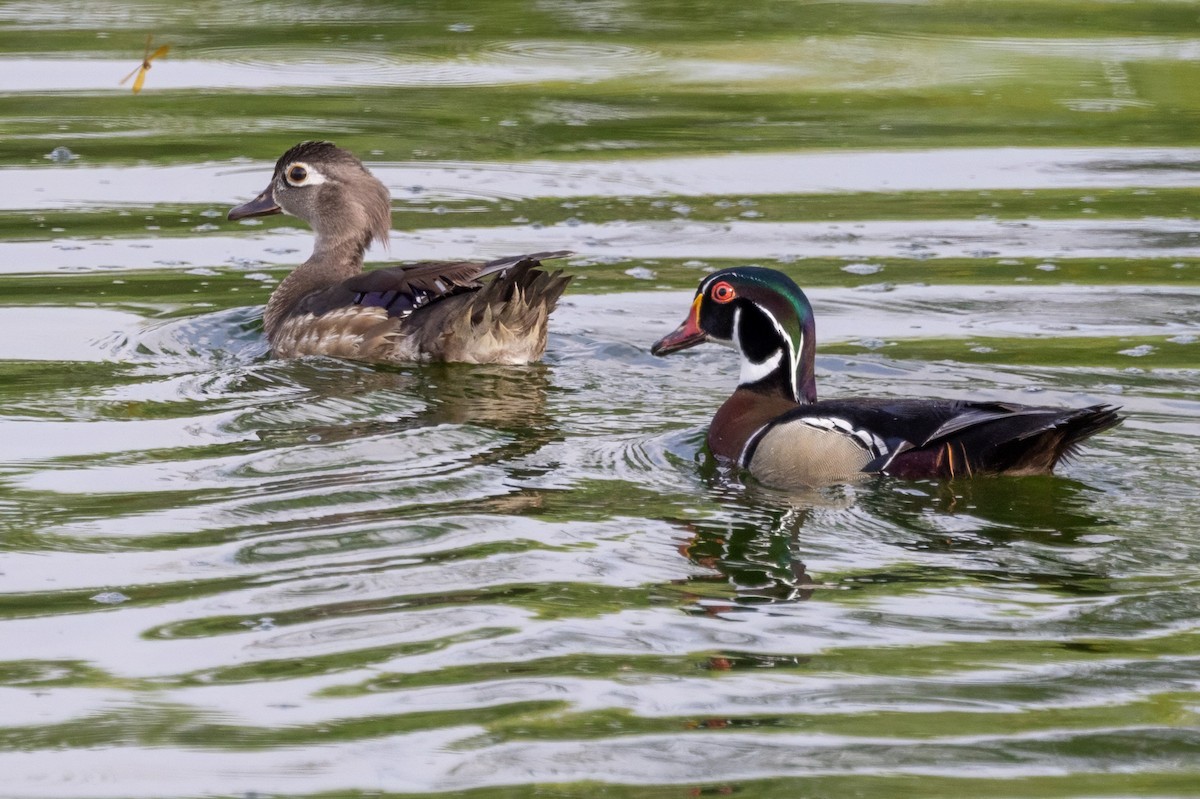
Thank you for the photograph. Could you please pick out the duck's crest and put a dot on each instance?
(317, 151)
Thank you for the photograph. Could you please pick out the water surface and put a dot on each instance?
(226, 575)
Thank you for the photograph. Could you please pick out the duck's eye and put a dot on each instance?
(723, 292)
(297, 174)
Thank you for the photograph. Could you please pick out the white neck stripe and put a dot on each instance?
(794, 354)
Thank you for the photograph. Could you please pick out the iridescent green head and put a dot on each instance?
(764, 315)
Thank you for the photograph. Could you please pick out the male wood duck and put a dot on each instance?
(774, 426)
(437, 311)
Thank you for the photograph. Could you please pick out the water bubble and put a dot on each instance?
(861, 269)
(877, 287)
(641, 273)
(110, 598)
(61, 155)
(1137, 352)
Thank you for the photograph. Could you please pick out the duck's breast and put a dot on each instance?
(800, 453)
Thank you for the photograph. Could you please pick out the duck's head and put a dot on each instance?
(765, 316)
(330, 189)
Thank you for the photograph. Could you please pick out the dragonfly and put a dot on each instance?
(145, 66)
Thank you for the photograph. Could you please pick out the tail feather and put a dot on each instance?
(1083, 424)
(521, 290)
(1041, 448)
(1027, 440)
(500, 264)
(506, 320)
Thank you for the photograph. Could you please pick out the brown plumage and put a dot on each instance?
(440, 311)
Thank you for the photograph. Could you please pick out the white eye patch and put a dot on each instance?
(299, 173)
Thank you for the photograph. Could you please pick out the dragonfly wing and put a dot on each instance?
(141, 78)
(159, 53)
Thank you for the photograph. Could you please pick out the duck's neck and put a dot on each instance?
(332, 261)
(773, 374)
(773, 365)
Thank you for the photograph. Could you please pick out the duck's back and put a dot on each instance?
(439, 311)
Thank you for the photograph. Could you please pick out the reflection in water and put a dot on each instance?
(757, 545)
(760, 566)
(511, 400)
(1045, 509)
(754, 546)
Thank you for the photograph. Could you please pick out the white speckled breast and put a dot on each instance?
(345, 333)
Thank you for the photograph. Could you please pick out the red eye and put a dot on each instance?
(723, 292)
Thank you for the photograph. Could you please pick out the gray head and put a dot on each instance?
(330, 189)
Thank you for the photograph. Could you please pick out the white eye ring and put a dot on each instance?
(299, 173)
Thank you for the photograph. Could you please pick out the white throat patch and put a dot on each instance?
(753, 371)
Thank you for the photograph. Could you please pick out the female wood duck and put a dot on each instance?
(437, 311)
(774, 426)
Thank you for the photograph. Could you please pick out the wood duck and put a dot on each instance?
(436, 311)
(774, 426)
